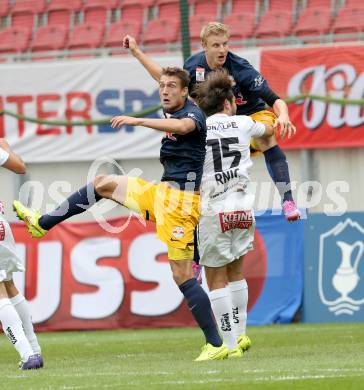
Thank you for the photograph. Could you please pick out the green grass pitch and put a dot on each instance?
(326, 356)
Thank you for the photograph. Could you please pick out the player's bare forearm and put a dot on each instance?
(280, 108)
(153, 68)
(170, 125)
(14, 163)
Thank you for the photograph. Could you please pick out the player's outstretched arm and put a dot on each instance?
(154, 69)
(11, 161)
(170, 125)
(283, 123)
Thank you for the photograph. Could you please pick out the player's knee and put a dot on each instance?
(266, 143)
(234, 274)
(103, 185)
(180, 279)
(181, 275)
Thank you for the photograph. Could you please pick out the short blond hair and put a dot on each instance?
(214, 28)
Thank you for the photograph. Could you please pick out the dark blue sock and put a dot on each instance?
(277, 167)
(77, 203)
(200, 306)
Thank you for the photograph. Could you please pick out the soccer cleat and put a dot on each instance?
(40, 357)
(244, 342)
(31, 219)
(291, 211)
(196, 268)
(209, 352)
(235, 353)
(34, 362)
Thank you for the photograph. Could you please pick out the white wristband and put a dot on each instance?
(4, 155)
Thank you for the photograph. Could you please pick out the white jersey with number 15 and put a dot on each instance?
(227, 162)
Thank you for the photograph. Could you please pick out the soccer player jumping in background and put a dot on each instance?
(14, 311)
(251, 93)
(173, 204)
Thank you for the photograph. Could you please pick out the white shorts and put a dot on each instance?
(9, 260)
(225, 237)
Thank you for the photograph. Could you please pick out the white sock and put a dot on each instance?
(239, 302)
(221, 306)
(13, 329)
(22, 308)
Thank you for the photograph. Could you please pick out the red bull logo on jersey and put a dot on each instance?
(236, 220)
(2, 231)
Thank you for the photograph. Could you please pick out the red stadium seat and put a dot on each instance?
(50, 38)
(274, 24)
(37, 6)
(4, 8)
(119, 29)
(241, 25)
(245, 6)
(279, 5)
(155, 33)
(61, 11)
(208, 8)
(196, 24)
(319, 3)
(135, 10)
(25, 11)
(14, 40)
(168, 8)
(96, 11)
(349, 20)
(86, 36)
(353, 3)
(313, 21)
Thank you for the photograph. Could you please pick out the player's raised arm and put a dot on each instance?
(154, 69)
(10, 160)
(259, 86)
(171, 125)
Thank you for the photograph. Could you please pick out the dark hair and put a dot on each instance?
(211, 94)
(180, 73)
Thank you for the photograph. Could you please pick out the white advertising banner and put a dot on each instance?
(80, 90)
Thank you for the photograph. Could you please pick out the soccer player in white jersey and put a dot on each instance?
(14, 312)
(226, 227)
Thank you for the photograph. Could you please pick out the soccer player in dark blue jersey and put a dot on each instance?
(251, 92)
(173, 204)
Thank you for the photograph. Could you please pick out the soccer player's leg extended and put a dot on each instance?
(277, 166)
(104, 186)
(198, 302)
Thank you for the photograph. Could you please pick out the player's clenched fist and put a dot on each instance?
(129, 42)
(118, 121)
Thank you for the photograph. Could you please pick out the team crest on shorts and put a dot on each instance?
(2, 231)
(178, 232)
(200, 74)
(236, 220)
